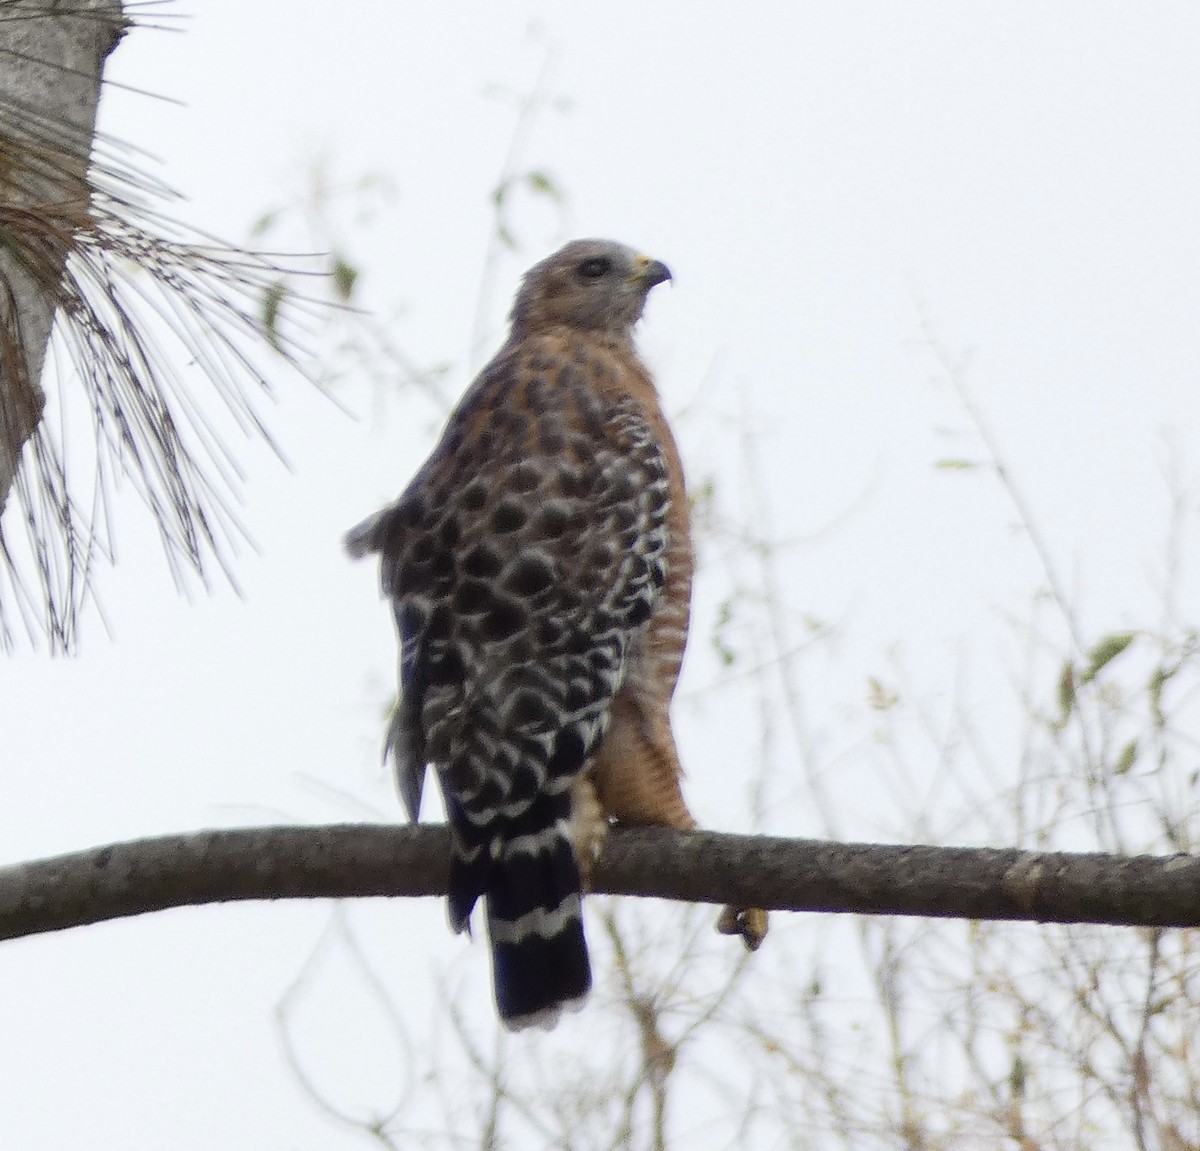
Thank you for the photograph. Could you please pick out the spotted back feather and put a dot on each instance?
(525, 564)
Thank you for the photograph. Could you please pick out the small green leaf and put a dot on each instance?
(273, 299)
(1016, 1078)
(344, 277)
(721, 646)
(1127, 758)
(264, 223)
(702, 496)
(1105, 651)
(1066, 692)
(952, 465)
(543, 185)
(1158, 680)
(880, 698)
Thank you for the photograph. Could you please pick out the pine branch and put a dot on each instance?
(354, 861)
(153, 322)
(51, 58)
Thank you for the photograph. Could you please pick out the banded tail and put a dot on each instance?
(530, 882)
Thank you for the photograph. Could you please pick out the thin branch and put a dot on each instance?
(360, 860)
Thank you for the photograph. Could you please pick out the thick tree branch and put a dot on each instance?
(350, 860)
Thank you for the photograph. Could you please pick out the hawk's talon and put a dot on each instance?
(751, 923)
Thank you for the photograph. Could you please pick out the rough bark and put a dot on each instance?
(51, 59)
(345, 861)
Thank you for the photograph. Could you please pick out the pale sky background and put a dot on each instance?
(817, 177)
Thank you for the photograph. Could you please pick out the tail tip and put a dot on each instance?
(545, 1018)
(538, 977)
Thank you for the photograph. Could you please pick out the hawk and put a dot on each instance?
(540, 568)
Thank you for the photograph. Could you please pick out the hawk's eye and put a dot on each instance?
(594, 268)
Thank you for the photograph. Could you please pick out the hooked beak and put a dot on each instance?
(650, 272)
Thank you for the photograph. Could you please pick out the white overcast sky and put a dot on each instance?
(818, 177)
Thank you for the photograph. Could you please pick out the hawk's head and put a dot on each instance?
(598, 285)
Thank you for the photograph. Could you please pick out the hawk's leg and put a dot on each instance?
(637, 777)
(589, 826)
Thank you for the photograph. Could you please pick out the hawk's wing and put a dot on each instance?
(523, 562)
